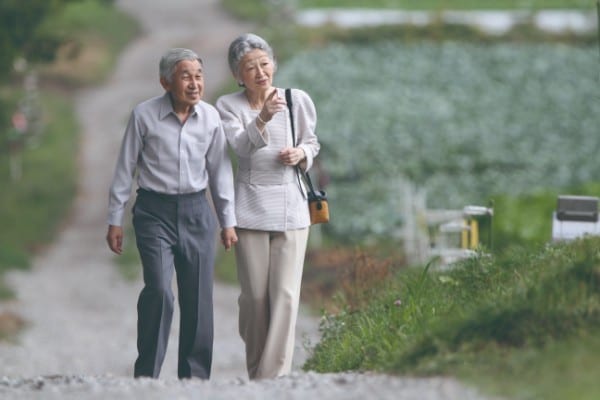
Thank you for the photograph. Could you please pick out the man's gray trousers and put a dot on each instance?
(175, 233)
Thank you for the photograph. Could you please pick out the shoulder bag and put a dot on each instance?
(317, 199)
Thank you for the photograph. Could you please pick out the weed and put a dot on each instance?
(484, 310)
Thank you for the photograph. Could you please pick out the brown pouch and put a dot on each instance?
(318, 207)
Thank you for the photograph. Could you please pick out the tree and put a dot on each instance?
(19, 33)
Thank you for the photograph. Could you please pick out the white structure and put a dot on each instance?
(454, 234)
(489, 21)
(575, 216)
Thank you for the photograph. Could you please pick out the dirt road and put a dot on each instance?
(80, 339)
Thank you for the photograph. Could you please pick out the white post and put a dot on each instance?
(414, 229)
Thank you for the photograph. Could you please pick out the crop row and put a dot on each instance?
(463, 121)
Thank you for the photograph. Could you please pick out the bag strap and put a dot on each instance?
(288, 99)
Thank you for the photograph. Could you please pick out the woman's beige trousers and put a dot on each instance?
(269, 268)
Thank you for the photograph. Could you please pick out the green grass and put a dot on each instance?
(560, 370)
(490, 316)
(95, 33)
(33, 207)
(448, 4)
(527, 219)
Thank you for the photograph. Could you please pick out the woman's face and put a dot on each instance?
(256, 71)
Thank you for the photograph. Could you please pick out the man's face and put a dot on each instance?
(187, 84)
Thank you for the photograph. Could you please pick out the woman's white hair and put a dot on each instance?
(242, 45)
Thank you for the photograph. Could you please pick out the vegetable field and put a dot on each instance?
(463, 121)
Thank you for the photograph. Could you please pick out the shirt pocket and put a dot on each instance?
(195, 147)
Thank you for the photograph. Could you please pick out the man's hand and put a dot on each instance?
(114, 238)
(228, 237)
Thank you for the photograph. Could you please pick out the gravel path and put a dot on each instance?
(80, 339)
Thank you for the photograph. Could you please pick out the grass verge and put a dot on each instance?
(34, 205)
(487, 317)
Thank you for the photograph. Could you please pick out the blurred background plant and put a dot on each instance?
(48, 47)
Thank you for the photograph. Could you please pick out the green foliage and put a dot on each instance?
(439, 322)
(465, 121)
(7, 104)
(89, 43)
(19, 35)
(523, 220)
(225, 267)
(86, 19)
(33, 206)
(4, 115)
(48, 179)
(565, 369)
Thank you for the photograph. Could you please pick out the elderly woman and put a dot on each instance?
(271, 203)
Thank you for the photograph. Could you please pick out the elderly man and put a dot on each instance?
(175, 143)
